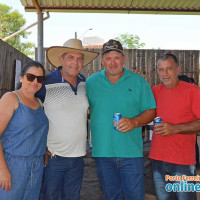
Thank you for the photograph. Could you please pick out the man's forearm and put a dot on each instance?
(188, 128)
(144, 118)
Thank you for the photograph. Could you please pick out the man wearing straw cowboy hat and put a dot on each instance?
(65, 104)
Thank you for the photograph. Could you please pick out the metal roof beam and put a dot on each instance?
(97, 10)
(36, 4)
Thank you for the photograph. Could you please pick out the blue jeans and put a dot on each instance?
(121, 175)
(26, 177)
(160, 169)
(62, 178)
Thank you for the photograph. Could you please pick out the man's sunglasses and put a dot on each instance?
(32, 77)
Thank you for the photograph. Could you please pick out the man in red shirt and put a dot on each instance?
(173, 143)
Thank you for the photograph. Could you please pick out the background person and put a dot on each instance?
(119, 154)
(23, 131)
(192, 81)
(66, 105)
(173, 143)
(196, 146)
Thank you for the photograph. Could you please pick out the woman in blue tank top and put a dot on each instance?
(23, 135)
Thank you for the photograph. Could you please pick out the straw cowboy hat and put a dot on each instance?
(72, 45)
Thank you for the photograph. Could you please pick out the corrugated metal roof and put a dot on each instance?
(116, 6)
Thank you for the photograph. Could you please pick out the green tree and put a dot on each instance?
(130, 41)
(11, 22)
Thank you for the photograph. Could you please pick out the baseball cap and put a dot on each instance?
(112, 45)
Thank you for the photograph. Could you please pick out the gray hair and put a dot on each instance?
(167, 56)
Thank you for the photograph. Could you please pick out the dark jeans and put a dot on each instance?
(62, 178)
(160, 169)
(121, 175)
(197, 154)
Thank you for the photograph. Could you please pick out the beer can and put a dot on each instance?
(116, 118)
(157, 120)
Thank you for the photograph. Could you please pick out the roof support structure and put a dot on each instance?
(40, 37)
(36, 4)
(176, 7)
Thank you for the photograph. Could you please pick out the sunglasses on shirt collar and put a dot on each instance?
(32, 77)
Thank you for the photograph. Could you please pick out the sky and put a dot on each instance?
(181, 32)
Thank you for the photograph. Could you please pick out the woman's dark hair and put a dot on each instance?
(30, 64)
(184, 78)
(27, 66)
(192, 80)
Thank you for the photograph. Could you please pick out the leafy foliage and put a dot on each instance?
(130, 41)
(11, 22)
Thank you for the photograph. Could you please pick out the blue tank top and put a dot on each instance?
(26, 132)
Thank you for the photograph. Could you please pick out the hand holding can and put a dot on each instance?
(157, 120)
(116, 118)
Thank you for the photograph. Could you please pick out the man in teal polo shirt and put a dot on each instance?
(119, 153)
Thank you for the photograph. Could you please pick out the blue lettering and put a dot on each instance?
(168, 187)
(176, 187)
(197, 187)
(190, 187)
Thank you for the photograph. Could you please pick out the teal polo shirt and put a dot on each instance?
(130, 96)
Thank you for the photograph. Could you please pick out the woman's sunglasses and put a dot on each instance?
(32, 77)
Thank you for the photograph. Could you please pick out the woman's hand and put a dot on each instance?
(48, 153)
(5, 179)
